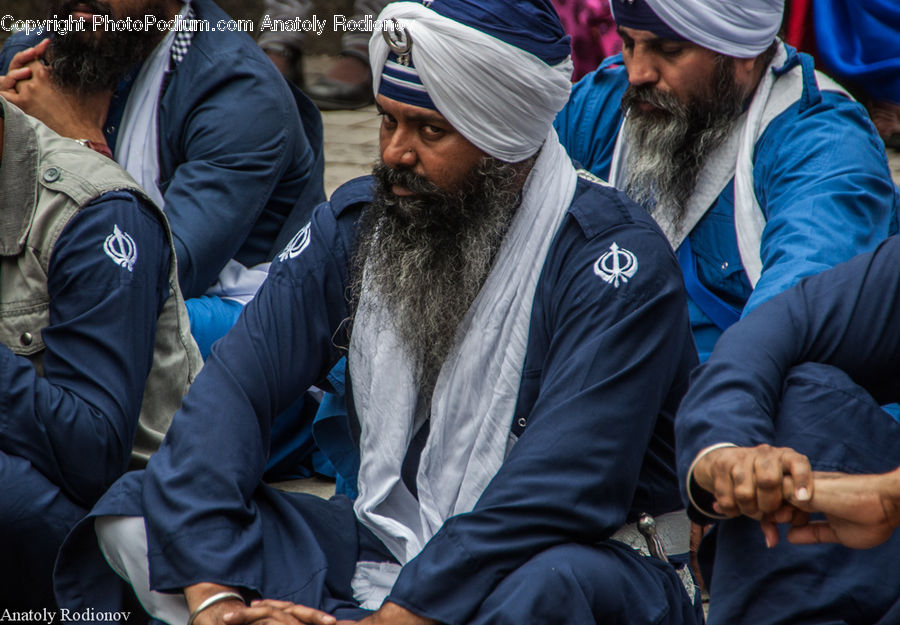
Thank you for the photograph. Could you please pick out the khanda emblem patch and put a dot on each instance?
(297, 244)
(121, 248)
(617, 265)
(398, 39)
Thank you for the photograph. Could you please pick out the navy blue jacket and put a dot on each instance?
(76, 424)
(235, 158)
(846, 317)
(604, 370)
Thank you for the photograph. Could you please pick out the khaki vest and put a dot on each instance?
(45, 180)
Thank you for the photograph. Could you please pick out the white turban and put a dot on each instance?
(739, 28)
(499, 97)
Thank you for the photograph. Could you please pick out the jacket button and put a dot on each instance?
(26, 339)
(521, 422)
(51, 174)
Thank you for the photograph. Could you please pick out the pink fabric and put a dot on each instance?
(593, 31)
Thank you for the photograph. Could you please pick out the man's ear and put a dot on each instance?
(747, 72)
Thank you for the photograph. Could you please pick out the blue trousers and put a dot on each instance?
(311, 547)
(826, 416)
(35, 517)
(569, 584)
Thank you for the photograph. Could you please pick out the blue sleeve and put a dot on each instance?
(857, 40)
(614, 353)
(76, 424)
(822, 178)
(284, 341)
(234, 138)
(589, 123)
(845, 317)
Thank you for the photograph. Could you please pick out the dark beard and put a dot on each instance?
(91, 62)
(668, 146)
(428, 255)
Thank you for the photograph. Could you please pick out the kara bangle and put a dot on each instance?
(690, 479)
(211, 601)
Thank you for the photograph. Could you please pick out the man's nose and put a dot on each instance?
(399, 151)
(642, 68)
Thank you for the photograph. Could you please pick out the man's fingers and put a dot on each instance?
(271, 603)
(8, 82)
(812, 533)
(769, 473)
(310, 615)
(41, 48)
(770, 532)
(11, 96)
(260, 614)
(303, 613)
(23, 58)
(744, 480)
(723, 490)
(797, 465)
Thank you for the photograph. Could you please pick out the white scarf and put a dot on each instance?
(474, 397)
(137, 146)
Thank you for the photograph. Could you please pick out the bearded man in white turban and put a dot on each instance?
(760, 171)
(517, 341)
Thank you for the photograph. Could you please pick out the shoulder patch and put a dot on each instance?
(121, 248)
(586, 175)
(297, 244)
(616, 265)
(356, 191)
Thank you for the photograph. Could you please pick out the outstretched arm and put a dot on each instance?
(861, 511)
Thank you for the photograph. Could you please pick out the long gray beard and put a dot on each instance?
(668, 147)
(428, 255)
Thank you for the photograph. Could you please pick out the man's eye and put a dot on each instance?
(671, 50)
(432, 131)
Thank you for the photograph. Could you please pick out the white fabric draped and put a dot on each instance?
(137, 146)
(474, 398)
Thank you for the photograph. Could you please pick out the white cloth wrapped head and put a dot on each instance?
(499, 84)
(738, 28)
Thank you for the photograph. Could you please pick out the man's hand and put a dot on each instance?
(756, 482)
(861, 511)
(272, 611)
(18, 67)
(30, 87)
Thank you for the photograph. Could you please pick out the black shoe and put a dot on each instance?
(335, 95)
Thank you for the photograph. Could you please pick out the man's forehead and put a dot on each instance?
(645, 35)
(408, 112)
